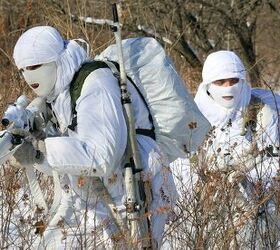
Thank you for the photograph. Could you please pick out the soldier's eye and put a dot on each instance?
(33, 67)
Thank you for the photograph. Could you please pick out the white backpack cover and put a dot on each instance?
(179, 125)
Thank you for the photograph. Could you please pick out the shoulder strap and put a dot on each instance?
(147, 132)
(77, 82)
(76, 86)
(250, 114)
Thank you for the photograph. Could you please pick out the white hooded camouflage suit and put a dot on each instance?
(229, 135)
(230, 148)
(95, 148)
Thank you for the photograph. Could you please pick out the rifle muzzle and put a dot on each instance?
(5, 122)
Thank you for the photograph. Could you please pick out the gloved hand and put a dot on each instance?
(38, 134)
(30, 153)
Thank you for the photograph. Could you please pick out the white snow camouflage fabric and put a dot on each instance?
(44, 44)
(97, 146)
(228, 138)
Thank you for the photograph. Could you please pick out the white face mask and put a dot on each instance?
(42, 79)
(219, 92)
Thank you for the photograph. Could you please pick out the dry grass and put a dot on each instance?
(211, 214)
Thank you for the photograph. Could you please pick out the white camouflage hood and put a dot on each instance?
(222, 65)
(44, 44)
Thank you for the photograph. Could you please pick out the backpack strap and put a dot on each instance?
(77, 83)
(76, 86)
(250, 115)
(115, 67)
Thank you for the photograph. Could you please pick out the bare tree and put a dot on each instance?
(197, 27)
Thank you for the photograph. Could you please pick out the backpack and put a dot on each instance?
(179, 126)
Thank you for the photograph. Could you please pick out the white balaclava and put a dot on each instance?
(59, 60)
(218, 92)
(224, 65)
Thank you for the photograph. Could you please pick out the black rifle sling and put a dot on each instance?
(77, 83)
(76, 86)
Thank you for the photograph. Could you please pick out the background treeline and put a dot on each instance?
(189, 30)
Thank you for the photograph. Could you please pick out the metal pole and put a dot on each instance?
(137, 221)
